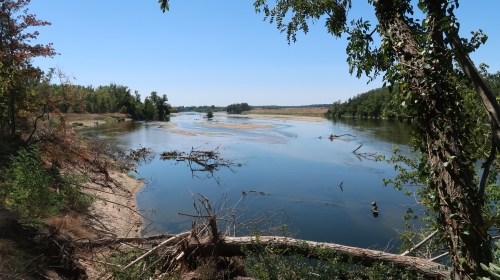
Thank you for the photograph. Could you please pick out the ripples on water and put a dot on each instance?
(297, 170)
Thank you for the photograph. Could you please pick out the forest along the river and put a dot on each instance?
(272, 170)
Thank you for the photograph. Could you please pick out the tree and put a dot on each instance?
(210, 114)
(418, 55)
(161, 104)
(16, 54)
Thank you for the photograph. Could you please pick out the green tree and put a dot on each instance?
(418, 55)
(238, 108)
(149, 109)
(162, 107)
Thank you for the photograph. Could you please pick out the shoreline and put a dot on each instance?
(117, 209)
(115, 217)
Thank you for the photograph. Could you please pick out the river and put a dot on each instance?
(318, 187)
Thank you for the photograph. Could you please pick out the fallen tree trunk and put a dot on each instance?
(231, 246)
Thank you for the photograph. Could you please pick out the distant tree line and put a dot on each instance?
(112, 98)
(374, 103)
(273, 107)
(238, 108)
(382, 103)
(200, 109)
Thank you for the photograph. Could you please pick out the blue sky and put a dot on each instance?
(216, 52)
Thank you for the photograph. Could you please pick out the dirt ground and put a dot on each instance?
(113, 214)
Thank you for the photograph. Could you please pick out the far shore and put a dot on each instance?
(280, 117)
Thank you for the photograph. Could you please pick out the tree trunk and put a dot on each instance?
(231, 246)
(438, 121)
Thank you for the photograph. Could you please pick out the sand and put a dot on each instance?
(280, 117)
(118, 213)
(116, 216)
(236, 125)
(182, 132)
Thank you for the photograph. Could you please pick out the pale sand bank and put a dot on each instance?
(279, 117)
(117, 215)
(237, 125)
(182, 132)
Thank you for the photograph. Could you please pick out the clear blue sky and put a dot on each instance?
(216, 52)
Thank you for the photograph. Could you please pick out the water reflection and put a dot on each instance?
(384, 130)
(202, 162)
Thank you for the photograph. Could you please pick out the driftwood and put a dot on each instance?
(370, 156)
(420, 244)
(206, 162)
(187, 246)
(205, 241)
(169, 241)
(339, 137)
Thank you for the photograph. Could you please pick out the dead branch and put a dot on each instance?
(171, 240)
(420, 244)
(357, 148)
(207, 162)
(369, 156)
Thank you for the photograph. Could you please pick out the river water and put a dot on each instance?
(283, 166)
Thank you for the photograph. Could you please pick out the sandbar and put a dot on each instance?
(237, 125)
(279, 117)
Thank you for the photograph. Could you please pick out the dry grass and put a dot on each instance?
(291, 111)
(72, 225)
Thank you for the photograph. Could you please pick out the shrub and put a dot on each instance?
(268, 262)
(28, 187)
(35, 192)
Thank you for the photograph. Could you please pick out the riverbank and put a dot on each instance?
(290, 111)
(114, 214)
(79, 121)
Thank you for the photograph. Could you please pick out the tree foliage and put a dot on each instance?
(17, 73)
(375, 103)
(238, 108)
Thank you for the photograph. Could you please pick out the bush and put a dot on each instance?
(268, 262)
(28, 187)
(35, 192)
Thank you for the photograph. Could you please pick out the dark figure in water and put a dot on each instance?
(374, 209)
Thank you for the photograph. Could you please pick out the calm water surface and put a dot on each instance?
(297, 170)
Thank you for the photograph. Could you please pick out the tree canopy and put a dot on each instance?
(238, 108)
(17, 72)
